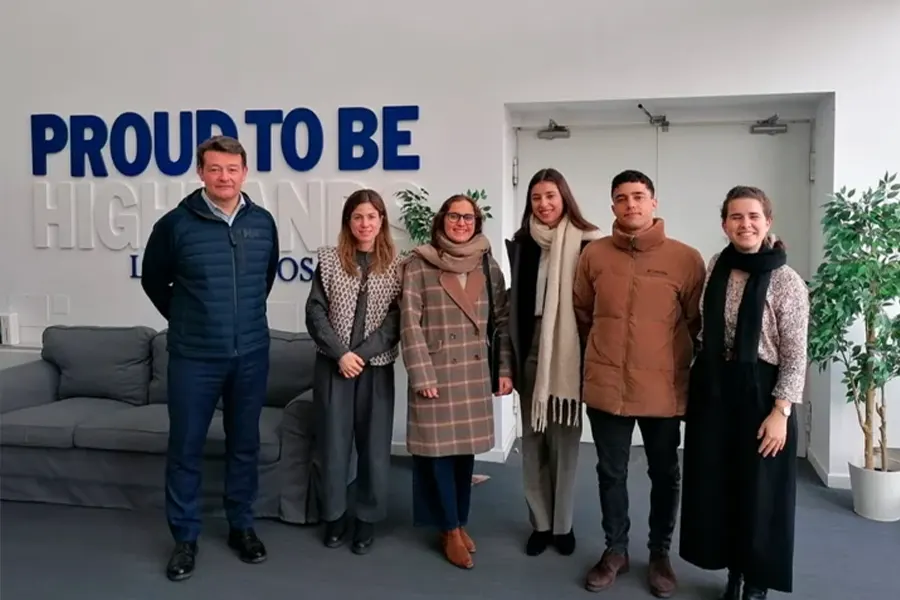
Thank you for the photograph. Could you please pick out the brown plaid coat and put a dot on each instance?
(443, 335)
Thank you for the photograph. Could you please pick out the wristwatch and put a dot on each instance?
(785, 410)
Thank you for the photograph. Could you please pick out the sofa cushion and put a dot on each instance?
(53, 425)
(292, 357)
(146, 429)
(100, 362)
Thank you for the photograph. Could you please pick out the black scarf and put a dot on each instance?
(759, 265)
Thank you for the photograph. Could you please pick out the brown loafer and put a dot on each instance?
(455, 550)
(604, 573)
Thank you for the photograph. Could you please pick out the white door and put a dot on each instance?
(693, 166)
(698, 164)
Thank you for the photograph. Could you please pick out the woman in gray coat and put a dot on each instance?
(353, 316)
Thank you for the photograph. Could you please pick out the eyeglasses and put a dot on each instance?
(454, 217)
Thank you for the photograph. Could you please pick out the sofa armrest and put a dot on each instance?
(29, 384)
(299, 463)
(297, 432)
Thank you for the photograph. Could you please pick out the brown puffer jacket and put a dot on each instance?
(637, 300)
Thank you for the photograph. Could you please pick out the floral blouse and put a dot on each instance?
(784, 327)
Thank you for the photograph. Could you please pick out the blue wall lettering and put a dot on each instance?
(357, 138)
(289, 268)
(143, 152)
(263, 120)
(85, 137)
(135, 266)
(394, 138)
(315, 136)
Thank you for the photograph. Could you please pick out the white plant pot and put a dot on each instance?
(876, 494)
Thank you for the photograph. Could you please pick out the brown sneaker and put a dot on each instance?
(468, 542)
(661, 576)
(604, 573)
(455, 550)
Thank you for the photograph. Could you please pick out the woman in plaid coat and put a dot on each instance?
(444, 310)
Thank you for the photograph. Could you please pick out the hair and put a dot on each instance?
(632, 176)
(437, 225)
(383, 251)
(570, 206)
(752, 193)
(221, 143)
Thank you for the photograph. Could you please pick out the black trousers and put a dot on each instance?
(612, 439)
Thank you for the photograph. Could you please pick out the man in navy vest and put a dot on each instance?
(208, 268)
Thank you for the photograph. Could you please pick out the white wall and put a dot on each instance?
(460, 62)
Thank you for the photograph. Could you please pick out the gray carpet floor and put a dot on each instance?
(55, 552)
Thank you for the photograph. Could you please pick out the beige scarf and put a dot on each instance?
(453, 257)
(558, 378)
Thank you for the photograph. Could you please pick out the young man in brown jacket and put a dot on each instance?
(636, 297)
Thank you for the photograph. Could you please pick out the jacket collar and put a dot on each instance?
(643, 241)
(196, 203)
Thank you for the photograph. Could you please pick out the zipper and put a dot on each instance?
(628, 315)
(234, 274)
(234, 249)
(234, 289)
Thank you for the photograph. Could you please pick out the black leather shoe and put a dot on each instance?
(565, 543)
(181, 563)
(538, 541)
(363, 537)
(335, 532)
(250, 548)
(754, 593)
(733, 588)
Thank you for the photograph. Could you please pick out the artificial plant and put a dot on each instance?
(859, 280)
(417, 215)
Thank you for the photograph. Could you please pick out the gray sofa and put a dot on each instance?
(87, 425)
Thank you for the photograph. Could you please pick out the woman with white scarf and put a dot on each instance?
(543, 256)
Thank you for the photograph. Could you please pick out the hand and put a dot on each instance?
(506, 386)
(429, 392)
(351, 365)
(773, 433)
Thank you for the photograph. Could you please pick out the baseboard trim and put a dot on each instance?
(495, 455)
(840, 481)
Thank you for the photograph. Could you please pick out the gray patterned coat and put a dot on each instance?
(444, 345)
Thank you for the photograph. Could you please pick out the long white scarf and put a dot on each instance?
(558, 379)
